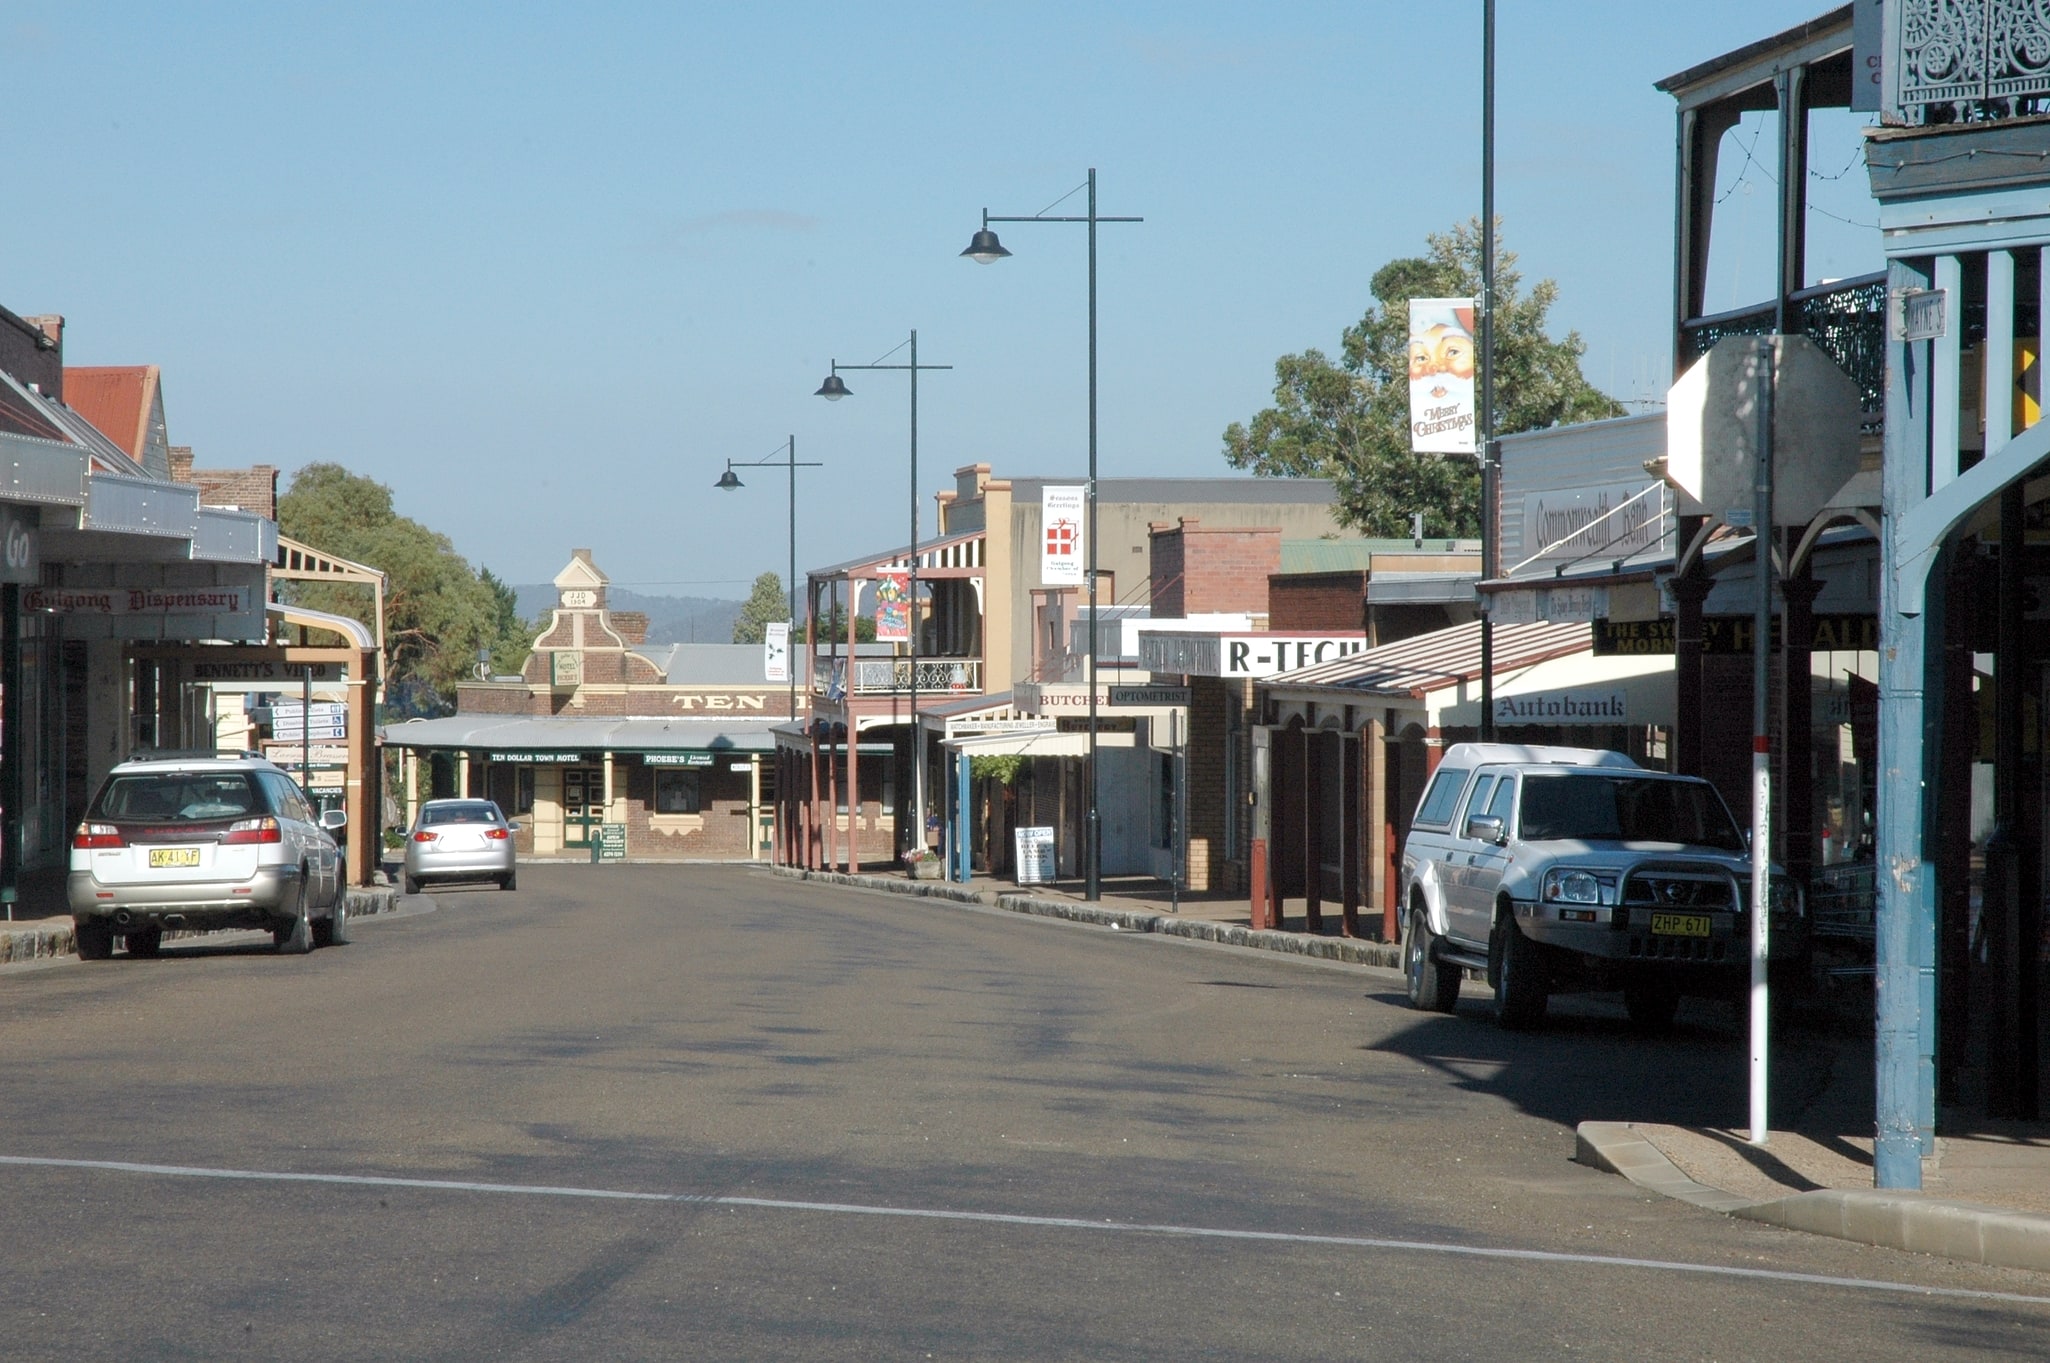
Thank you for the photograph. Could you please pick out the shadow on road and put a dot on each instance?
(1587, 1063)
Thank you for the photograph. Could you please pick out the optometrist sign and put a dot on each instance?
(1441, 368)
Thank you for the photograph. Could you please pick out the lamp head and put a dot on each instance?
(833, 389)
(984, 248)
(728, 480)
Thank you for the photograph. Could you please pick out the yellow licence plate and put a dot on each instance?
(174, 856)
(1680, 924)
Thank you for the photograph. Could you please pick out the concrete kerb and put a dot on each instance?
(50, 938)
(1351, 951)
(1895, 1220)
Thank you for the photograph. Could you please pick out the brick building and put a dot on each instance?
(666, 745)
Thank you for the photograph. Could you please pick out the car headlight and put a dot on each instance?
(1786, 896)
(1579, 887)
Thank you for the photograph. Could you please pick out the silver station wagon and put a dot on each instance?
(198, 841)
(1559, 869)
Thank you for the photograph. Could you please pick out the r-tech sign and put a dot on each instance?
(1242, 655)
(1263, 655)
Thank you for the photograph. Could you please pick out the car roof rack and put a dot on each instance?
(194, 754)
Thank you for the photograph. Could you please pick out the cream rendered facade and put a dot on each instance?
(1007, 511)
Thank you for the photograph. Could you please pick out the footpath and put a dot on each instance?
(48, 938)
(1986, 1188)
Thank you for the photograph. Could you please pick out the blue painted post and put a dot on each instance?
(958, 831)
(1910, 715)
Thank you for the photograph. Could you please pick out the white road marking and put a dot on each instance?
(1011, 1219)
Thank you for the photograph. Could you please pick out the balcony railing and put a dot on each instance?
(1846, 318)
(1963, 61)
(887, 676)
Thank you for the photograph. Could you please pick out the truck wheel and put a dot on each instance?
(1519, 971)
(1433, 986)
(94, 939)
(412, 886)
(1652, 1004)
(296, 937)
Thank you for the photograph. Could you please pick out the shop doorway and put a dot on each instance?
(583, 805)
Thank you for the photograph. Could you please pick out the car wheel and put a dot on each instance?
(412, 884)
(146, 942)
(94, 939)
(509, 881)
(333, 930)
(1652, 1004)
(1433, 986)
(296, 937)
(1519, 971)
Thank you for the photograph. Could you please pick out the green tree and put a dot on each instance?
(766, 603)
(513, 634)
(833, 625)
(438, 612)
(1348, 420)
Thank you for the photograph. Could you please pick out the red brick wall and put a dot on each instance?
(1195, 571)
(252, 489)
(725, 833)
(1317, 601)
(1165, 570)
(1219, 720)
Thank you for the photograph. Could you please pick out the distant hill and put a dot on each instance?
(671, 619)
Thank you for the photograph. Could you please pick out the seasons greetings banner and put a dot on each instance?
(1441, 364)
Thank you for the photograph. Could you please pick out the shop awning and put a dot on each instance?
(1036, 743)
(536, 739)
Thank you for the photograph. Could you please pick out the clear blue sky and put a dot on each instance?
(542, 269)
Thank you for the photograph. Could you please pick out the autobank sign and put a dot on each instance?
(1594, 706)
(1242, 655)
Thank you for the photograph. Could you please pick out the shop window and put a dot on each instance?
(523, 791)
(677, 792)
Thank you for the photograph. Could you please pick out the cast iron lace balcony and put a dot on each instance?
(1964, 61)
(1846, 317)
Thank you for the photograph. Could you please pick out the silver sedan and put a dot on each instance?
(460, 840)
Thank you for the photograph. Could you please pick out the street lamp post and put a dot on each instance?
(985, 249)
(832, 390)
(730, 482)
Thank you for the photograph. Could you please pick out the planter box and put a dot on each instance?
(934, 869)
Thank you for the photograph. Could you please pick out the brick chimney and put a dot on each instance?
(1196, 571)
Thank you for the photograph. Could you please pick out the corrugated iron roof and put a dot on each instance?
(625, 735)
(1442, 658)
(1343, 556)
(895, 557)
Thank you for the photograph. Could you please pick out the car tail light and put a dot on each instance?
(424, 836)
(498, 834)
(91, 835)
(252, 830)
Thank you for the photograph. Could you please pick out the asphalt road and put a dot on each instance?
(701, 1112)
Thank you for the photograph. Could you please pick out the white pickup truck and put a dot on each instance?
(1558, 869)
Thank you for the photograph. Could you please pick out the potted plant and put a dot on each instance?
(922, 863)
